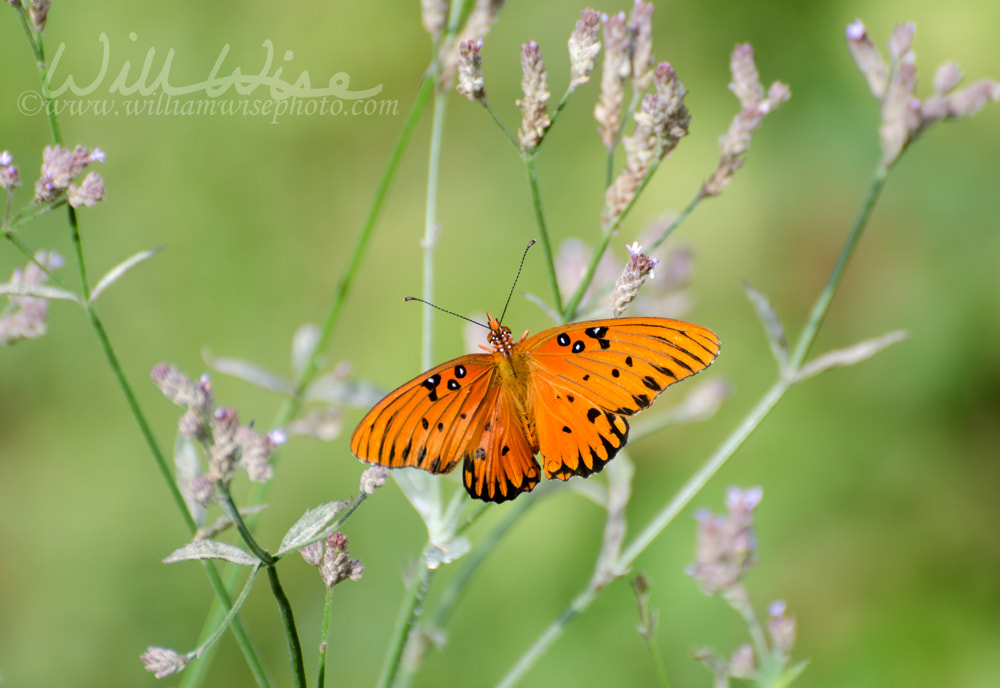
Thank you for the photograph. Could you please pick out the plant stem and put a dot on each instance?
(429, 241)
(608, 231)
(324, 639)
(822, 304)
(543, 232)
(408, 614)
(511, 139)
(332, 318)
(288, 621)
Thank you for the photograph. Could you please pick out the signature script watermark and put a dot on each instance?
(265, 93)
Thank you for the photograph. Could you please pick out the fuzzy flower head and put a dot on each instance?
(727, 545)
(9, 177)
(477, 26)
(88, 193)
(781, 627)
(163, 661)
(373, 478)
(661, 122)
(641, 27)
(333, 560)
(754, 105)
(229, 446)
(471, 83)
(24, 318)
(59, 167)
(583, 47)
(637, 271)
(615, 70)
(434, 15)
(534, 84)
(38, 13)
(904, 116)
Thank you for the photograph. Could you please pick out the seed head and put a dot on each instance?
(9, 177)
(583, 47)
(727, 545)
(536, 94)
(471, 83)
(754, 105)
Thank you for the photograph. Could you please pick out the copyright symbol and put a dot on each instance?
(30, 103)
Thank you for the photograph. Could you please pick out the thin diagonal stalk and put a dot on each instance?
(431, 226)
(822, 304)
(543, 232)
(408, 614)
(569, 313)
(292, 406)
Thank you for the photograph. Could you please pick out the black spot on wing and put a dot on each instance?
(651, 383)
(596, 332)
(641, 400)
(593, 414)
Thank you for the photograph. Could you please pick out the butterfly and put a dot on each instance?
(565, 392)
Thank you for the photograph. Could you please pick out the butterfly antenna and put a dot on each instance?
(525, 255)
(428, 303)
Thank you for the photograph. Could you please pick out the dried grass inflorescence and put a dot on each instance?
(534, 85)
(754, 105)
(661, 122)
(615, 71)
(904, 116)
(583, 47)
(471, 83)
(25, 317)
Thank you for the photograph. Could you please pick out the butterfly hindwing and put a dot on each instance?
(501, 465)
(431, 420)
(575, 436)
(622, 364)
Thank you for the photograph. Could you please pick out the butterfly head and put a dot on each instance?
(499, 337)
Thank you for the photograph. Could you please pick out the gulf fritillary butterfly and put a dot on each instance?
(564, 392)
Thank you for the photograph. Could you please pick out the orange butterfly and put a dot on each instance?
(564, 391)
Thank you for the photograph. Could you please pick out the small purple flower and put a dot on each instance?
(727, 545)
(163, 661)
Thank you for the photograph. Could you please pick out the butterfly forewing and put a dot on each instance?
(431, 420)
(622, 365)
(587, 376)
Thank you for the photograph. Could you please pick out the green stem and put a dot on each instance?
(408, 614)
(543, 232)
(661, 670)
(822, 305)
(288, 621)
(511, 139)
(430, 239)
(472, 561)
(675, 223)
(25, 251)
(324, 639)
(292, 406)
(545, 641)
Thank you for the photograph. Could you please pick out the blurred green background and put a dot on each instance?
(878, 524)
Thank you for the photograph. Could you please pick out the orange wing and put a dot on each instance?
(433, 420)
(502, 464)
(585, 377)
